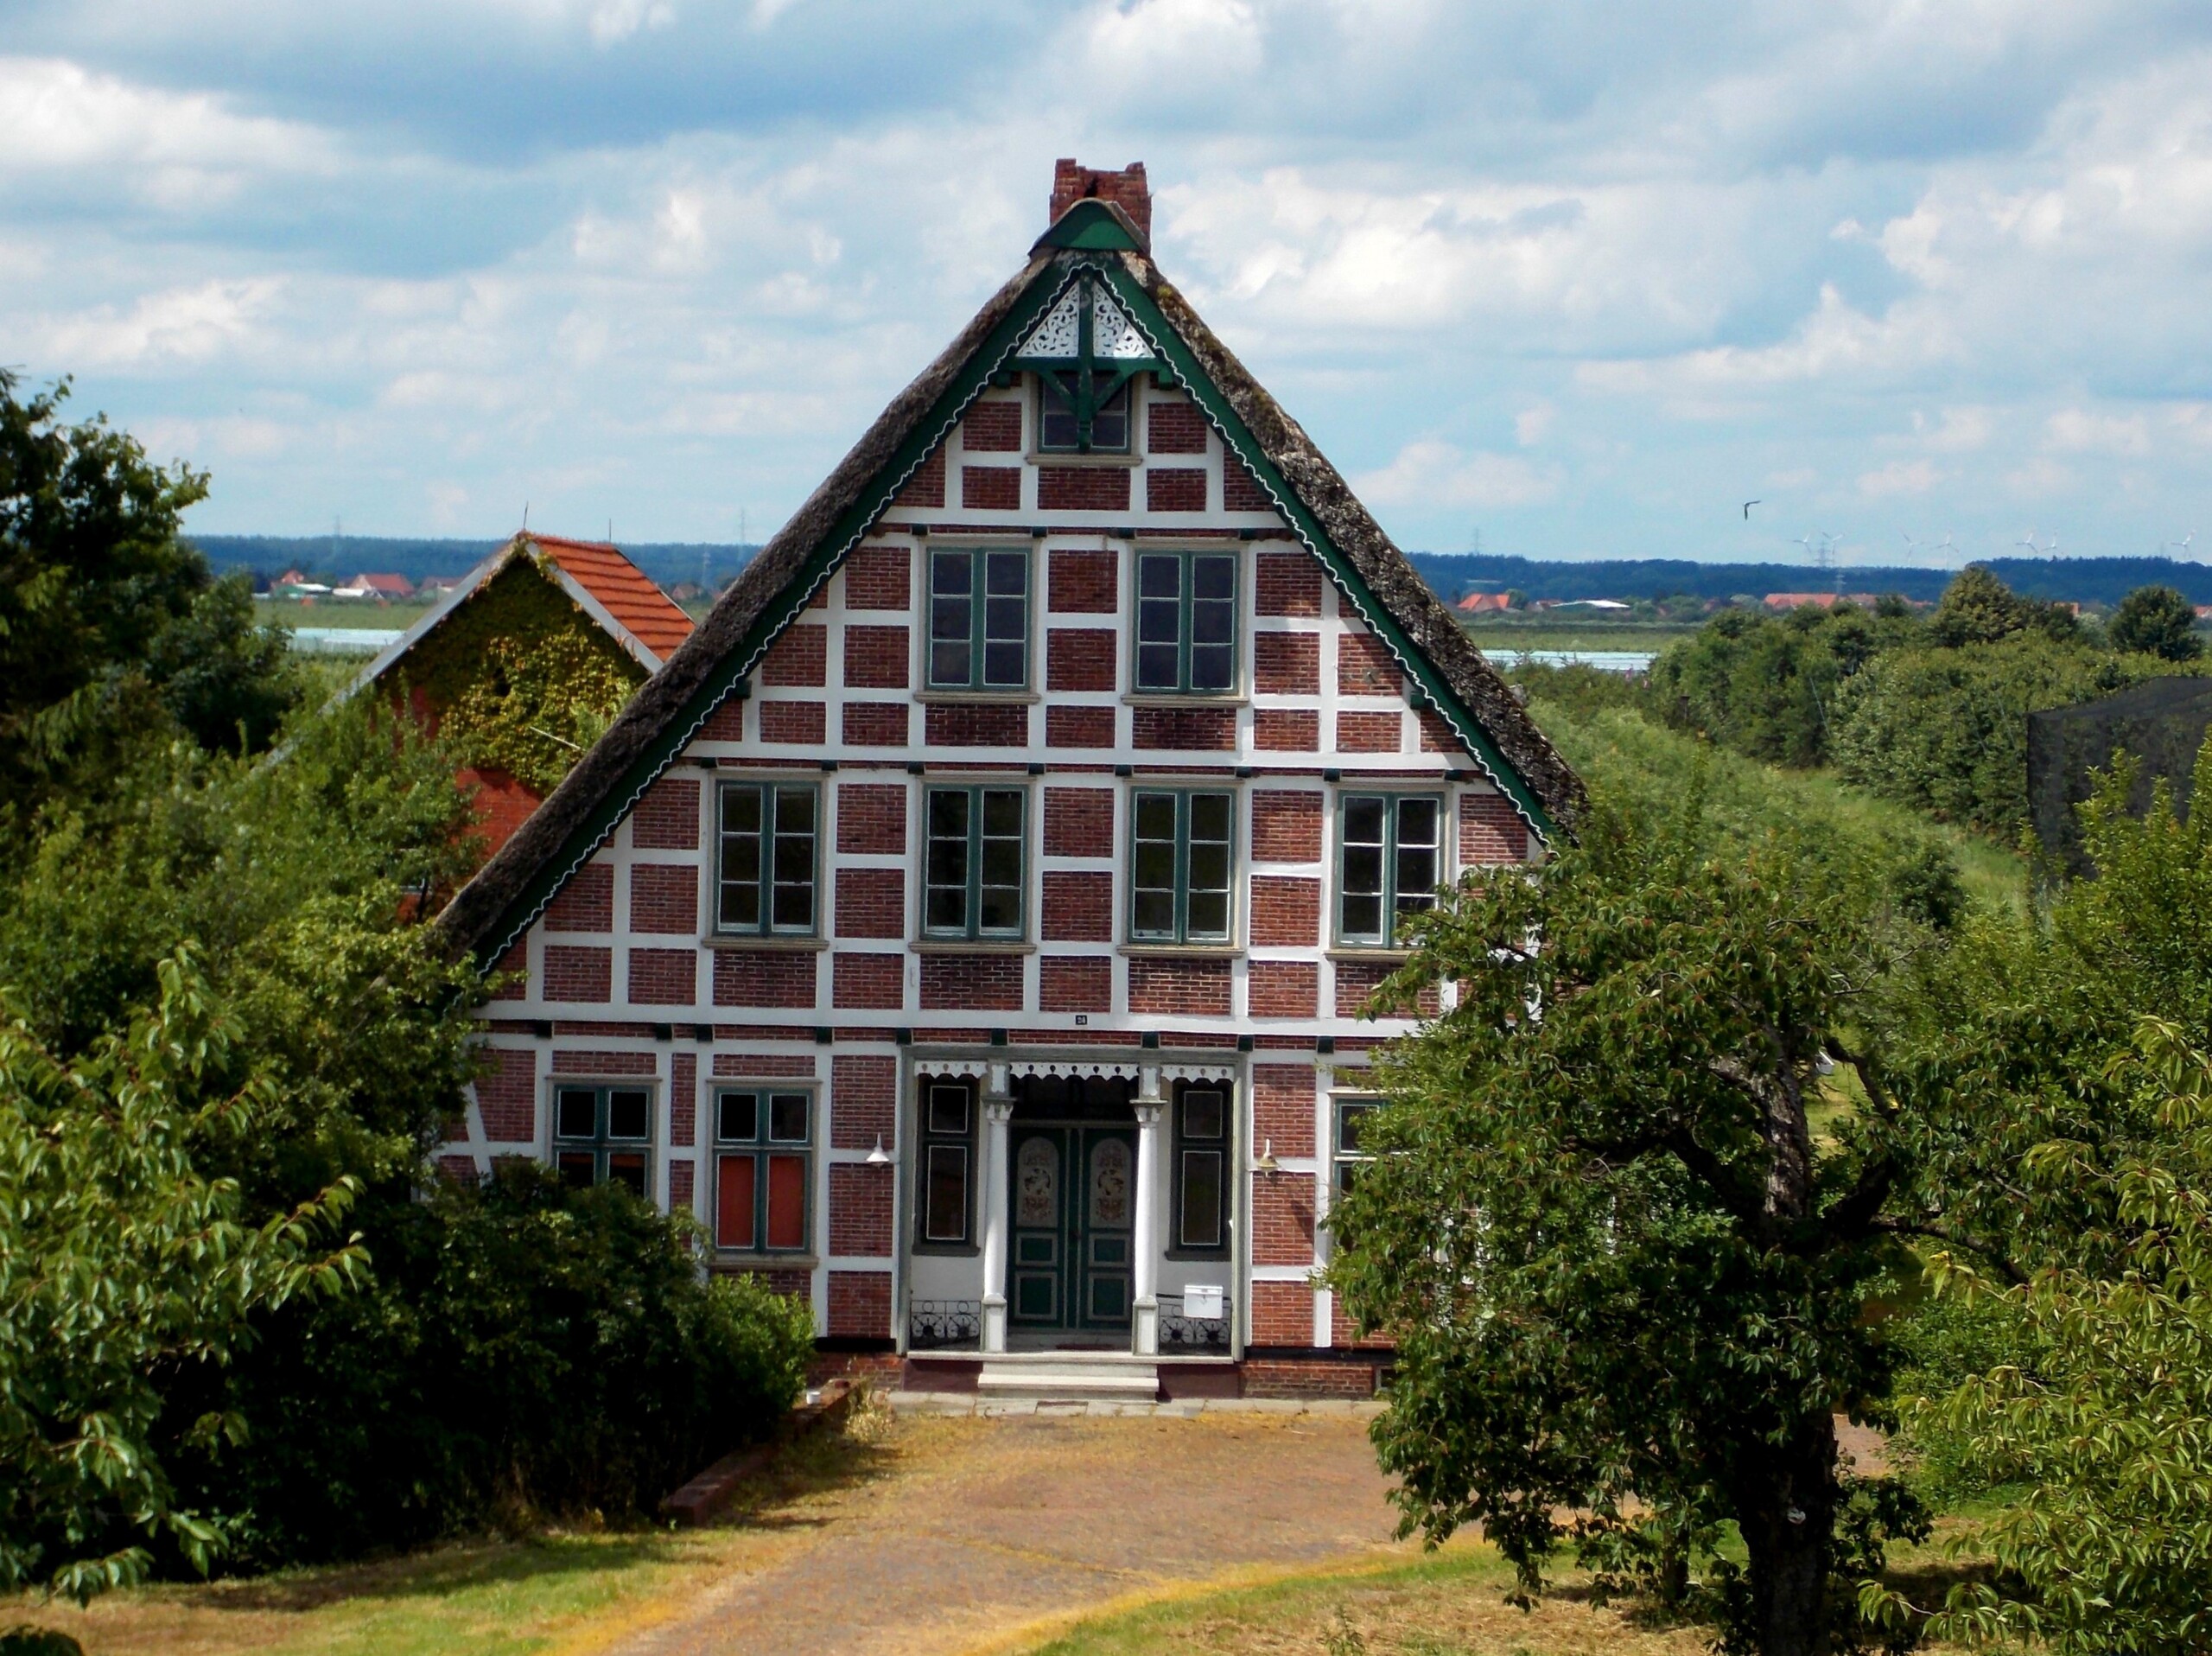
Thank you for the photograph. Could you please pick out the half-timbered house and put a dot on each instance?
(971, 923)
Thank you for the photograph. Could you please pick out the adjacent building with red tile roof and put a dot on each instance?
(1480, 603)
(524, 659)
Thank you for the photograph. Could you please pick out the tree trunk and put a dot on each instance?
(1788, 1523)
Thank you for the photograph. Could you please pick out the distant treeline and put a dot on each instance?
(2064, 580)
(669, 563)
(2068, 580)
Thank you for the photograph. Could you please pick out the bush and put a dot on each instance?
(1763, 684)
(527, 1351)
(1946, 730)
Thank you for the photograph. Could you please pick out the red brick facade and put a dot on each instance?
(875, 657)
(871, 819)
(574, 973)
(667, 819)
(1082, 583)
(1176, 428)
(994, 427)
(664, 897)
(1080, 658)
(1181, 987)
(586, 903)
(1078, 822)
(746, 977)
(880, 577)
(990, 488)
(1083, 488)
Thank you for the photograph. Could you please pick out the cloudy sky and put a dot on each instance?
(1581, 278)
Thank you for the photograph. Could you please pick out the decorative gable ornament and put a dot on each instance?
(1085, 352)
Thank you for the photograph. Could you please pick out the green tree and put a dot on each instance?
(112, 628)
(2156, 620)
(1978, 608)
(2105, 1416)
(1624, 1272)
(120, 1260)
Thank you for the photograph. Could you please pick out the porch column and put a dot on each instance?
(1148, 1106)
(998, 1110)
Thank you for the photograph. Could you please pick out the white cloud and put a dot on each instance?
(180, 325)
(1962, 430)
(1430, 474)
(1533, 423)
(614, 21)
(2074, 431)
(1899, 477)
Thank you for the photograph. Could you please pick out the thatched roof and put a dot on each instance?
(496, 907)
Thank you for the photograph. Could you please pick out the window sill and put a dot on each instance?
(747, 1260)
(947, 1250)
(1072, 457)
(1357, 953)
(1163, 698)
(765, 944)
(977, 698)
(963, 945)
(1201, 951)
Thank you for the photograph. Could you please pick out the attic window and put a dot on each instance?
(1084, 354)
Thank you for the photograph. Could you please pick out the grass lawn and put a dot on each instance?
(1749, 800)
(1450, 1603)
(339, 612)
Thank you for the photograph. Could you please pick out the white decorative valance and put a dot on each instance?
(1076, 1068)
(1114, 337)
(978, 1068)
(1198, 1072)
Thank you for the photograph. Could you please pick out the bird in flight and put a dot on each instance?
(1748, 505)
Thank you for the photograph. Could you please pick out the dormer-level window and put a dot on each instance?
(1060, 413)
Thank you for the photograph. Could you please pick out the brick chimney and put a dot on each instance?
(1125, 189)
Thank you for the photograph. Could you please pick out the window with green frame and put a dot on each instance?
(945, 1210)
(1346, 1157)
(1201, 1180)
(979, 619)
(1186, 623)
(973, 861)
(763, 1161)
(1182, 852)
(1389, 860)
(764, 857)
(1069, 398)
(603, 1135)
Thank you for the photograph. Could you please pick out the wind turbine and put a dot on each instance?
(2036, 550)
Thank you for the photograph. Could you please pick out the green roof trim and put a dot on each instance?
(1092, 226)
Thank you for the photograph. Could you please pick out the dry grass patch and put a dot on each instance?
(1451, 1603)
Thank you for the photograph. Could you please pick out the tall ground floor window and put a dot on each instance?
(763, 1169)
(602, 1134)
(1200, 1170)
(945, 1207)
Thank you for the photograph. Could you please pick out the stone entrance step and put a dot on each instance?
(1068, 1376)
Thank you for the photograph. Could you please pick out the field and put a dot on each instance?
(372, 614)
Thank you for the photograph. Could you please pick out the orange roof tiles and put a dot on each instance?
(629, 594)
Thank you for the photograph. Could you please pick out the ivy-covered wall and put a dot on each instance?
(518, 678)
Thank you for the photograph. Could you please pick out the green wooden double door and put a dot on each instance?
(1072, 1202)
